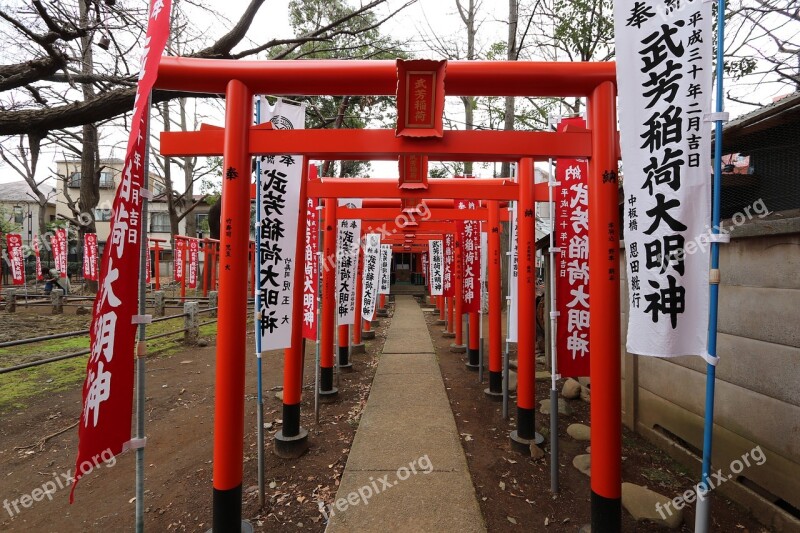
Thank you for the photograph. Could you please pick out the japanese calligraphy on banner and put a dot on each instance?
(179, 259)
(370, 275)
(386, 269)
(664, 71)
(193, 263)
(347, 249)
(59, 243)
(436, 253)
(572, 267)
(311, 271)
(90, 256)
(278, 206)
(105, 424)
(448, 276)
(470, 238)
(15, 259)
(513, 277)
(38, 258)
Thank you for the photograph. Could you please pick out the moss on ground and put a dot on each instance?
(17, 387)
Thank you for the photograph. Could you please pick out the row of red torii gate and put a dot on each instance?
(419, 135)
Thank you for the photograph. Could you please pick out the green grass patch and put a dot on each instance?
(17, 387)
(52, 347)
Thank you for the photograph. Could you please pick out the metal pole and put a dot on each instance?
(508, 311)
(704, 504)
(553, 356)
(319, 314)
(480, 309)
(505, 361)
(257, 309)
(141, 348)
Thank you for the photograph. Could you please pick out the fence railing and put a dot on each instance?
(191, 331)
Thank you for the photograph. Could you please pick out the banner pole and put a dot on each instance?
(704, 504)
(508, 314)
(256, 309)
(480, 307)
(553, 355)
(141, 349)
(319, 319)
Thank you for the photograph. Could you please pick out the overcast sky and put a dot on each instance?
(412, 25)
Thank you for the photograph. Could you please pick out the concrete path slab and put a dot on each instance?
(406, 470)
(407, 363)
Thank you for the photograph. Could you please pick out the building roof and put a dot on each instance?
(782, 112)
(19, 191)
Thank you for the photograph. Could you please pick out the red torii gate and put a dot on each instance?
(239, 141)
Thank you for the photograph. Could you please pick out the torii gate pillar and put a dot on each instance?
(232, 327)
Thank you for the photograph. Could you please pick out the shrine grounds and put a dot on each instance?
(39, 407)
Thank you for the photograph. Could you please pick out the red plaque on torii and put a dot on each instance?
(420, 98)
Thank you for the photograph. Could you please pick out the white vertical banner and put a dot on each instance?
(386, 269)
(436, 255)
(370, 276)
(348, 246)
(664, 77)
(513, 276)
(278, 206)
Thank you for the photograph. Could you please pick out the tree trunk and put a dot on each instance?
(468, 18)
(90, 151)
(174, 228)
(188, 178)
(505, 168)
(343, 105)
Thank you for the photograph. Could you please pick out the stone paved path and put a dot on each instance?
(407, 425)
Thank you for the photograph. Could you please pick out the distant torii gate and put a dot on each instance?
(239, 141)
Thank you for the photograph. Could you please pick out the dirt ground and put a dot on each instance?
(180, 410)
(514, 491)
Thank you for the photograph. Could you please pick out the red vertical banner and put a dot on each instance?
(90, 256)
(63, 243)
(470, 236)
(39, 276)
(178, 259)
(59, 243)
(572, 266)
(104, 427)
(147, 264)
(311, 271)
(194, 258)
(87, 269)
(448, 280)
(93, 258)
(15, 258)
